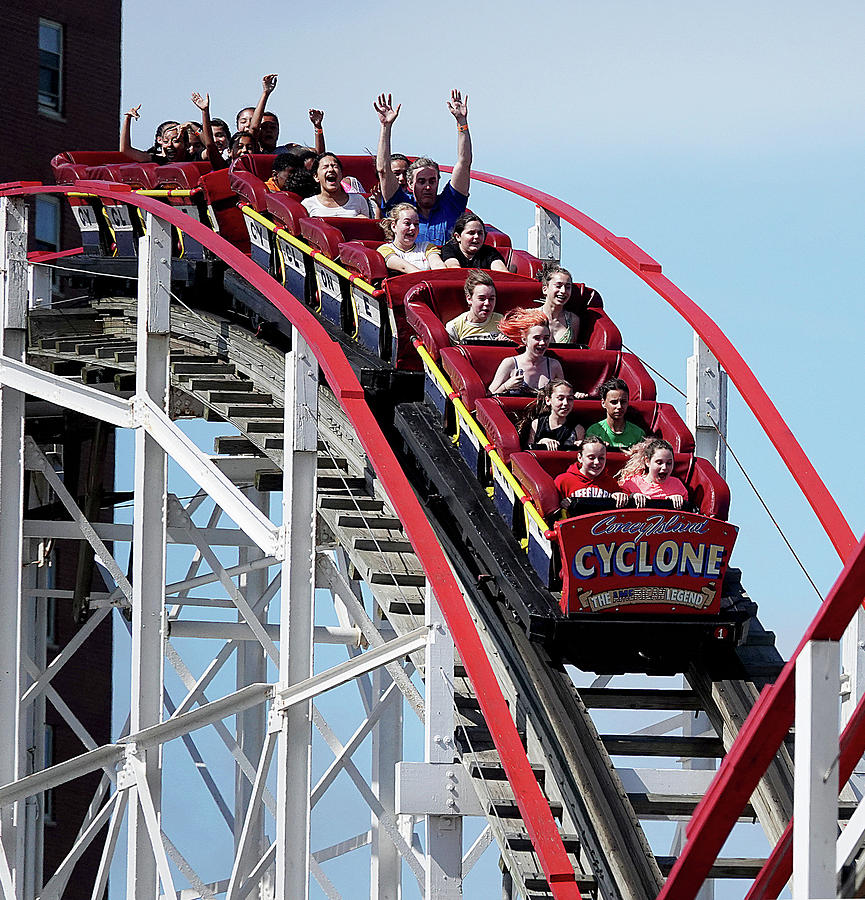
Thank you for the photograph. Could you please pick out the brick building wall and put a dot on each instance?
(89, 114)
(84, 114)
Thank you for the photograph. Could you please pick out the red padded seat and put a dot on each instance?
(356, 228)
(471, 367)
(363, 261)
(182, 176)
(87, 158)
(321, 236)
(497, 417)
(286, 209)
(497, 239)
(69, 173)
(536, 471)
(431, 304)
(223, 201)
(140, 176)
(258, 164)
(360, 167)
(523, 263)
(249, 187)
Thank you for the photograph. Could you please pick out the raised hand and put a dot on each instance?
(375, 195)
(316, 116)
(384, 107)
(201, 102)
(268, 83)
(458, 107)
(134, 111)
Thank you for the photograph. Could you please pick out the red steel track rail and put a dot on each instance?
(533, 807)
(772, 716)
(778, 868)
(642, 265)
(759, 740)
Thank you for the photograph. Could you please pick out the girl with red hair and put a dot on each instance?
(526, 373)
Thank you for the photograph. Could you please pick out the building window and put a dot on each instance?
(47, 230)
(50, 66)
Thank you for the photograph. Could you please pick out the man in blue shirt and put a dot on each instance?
(436, 211)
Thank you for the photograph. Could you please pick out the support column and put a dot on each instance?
(251, 669)
(13, 295)
(385, 864)
(545, 236)
(815, 799)
(296, 620)
(707, 404)
(32, 738)
(853, 665)
(696, 724)
(148, 544)
(444, 834)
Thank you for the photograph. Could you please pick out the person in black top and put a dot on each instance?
(550, 423)
(467, 250)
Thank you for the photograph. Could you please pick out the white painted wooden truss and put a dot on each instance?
(272, 694)
(261, 674)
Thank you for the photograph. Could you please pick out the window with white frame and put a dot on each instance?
(50, 66)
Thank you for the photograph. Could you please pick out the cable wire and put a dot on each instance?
(370, 526)
(666, 381)
(765, 507)
(742, 469)
(85, 271)
(193, 312)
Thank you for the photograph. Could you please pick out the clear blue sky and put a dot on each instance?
(725, 139)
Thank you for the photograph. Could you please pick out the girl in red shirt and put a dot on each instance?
(587, 478)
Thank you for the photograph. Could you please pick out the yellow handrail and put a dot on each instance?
(170, 192)
(310, 251)
(478, 432)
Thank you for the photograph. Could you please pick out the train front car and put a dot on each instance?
(644, 590)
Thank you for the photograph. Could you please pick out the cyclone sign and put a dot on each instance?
(643, 560)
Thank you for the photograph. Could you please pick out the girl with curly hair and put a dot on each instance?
(648, 474)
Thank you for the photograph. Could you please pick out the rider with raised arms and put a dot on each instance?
(437, 212)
